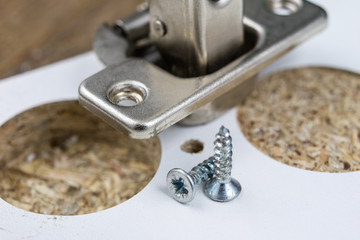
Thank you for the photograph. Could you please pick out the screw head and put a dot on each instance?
(158, 27)
(180, 185)
(222, 191)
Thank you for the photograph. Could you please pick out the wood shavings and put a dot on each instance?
(307, 118)
(60, 159)
(192, 146)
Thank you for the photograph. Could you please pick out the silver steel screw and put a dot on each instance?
(222, 187)
(181, 184)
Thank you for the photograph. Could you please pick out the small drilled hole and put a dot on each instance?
(285, 7)
(127, 94)
(192, 146)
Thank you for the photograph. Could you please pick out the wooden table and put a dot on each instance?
(34, 33)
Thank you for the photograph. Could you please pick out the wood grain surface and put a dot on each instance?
(34, 33)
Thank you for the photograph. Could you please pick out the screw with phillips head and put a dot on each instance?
(181, 184)
(222, 187)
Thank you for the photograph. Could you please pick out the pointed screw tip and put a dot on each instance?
(224, 131)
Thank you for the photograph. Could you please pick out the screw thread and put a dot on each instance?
(203, 171)
(223, 155)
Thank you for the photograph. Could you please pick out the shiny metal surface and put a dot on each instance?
(222, 191)
(181, 184)
(222, 187)
(109, 46)
(220, 105)
(169, 98)
(136, 26)
(201, 35)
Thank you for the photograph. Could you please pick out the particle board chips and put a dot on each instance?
(60, 159)
(307, 118)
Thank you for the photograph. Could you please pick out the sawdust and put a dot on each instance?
(307, 118)
(60, 159)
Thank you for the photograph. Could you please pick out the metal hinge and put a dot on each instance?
(189, 61)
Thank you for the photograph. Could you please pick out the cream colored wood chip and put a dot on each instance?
(60, 159)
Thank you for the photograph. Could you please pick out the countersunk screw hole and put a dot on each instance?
(126, 94)
(285, 7)
(220, 3)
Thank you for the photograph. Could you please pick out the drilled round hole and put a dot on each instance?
(192, 146)
(60, 159)
(307, 118)
(127, 94)
(285, 7)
